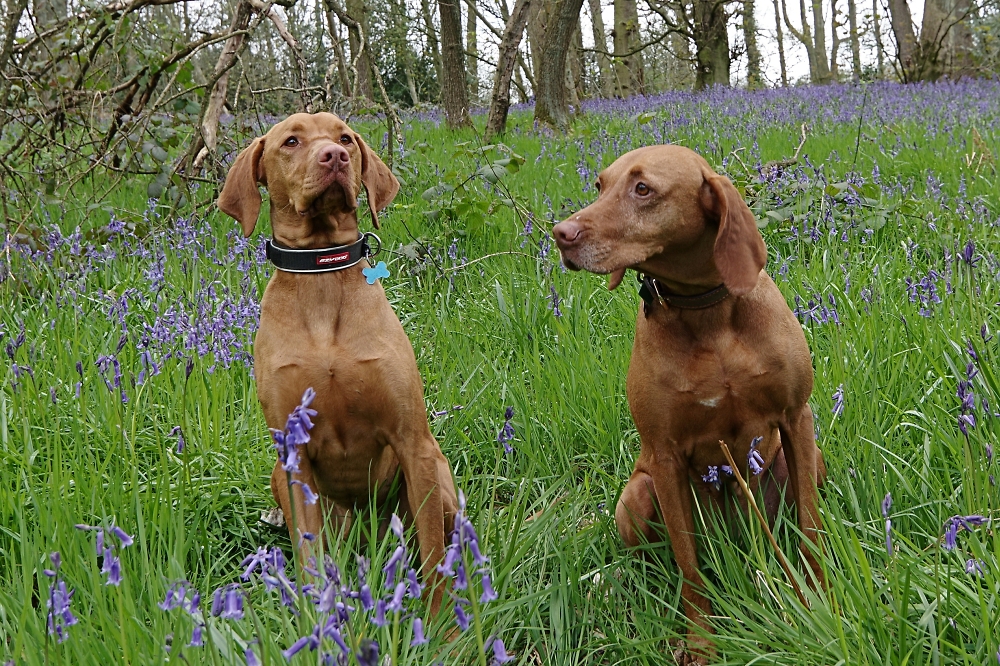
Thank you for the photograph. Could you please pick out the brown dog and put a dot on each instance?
(336, 333)
(717, 355)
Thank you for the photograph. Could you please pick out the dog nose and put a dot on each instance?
(566, 233)
(333, 155)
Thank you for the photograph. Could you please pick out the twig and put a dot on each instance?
(485, 256)
(781, 164)
(760, 516)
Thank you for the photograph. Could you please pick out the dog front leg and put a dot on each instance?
(307, 519)
(673, 491)
(426, 498)
(804, 464)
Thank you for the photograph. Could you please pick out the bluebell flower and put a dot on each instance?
(396, 525)
(254, 560)
(506, 434)
(125, 539)
(489, 594)
(395, 604)
(554, 301)
(228, 602)
(418, 633)
(307, 493)
(974, 567)
(754, 460)
(197, 640)
(712, 477)
(461, 617)
(60, 617)
(838, 401)
(296, 433)
(365, 595)
(251, 658)
(461, 579)
(414, 585)
(500, 655)
(379, 618)
(299, 645)
(113, 568)
(953, 524)
(391, 567)
(367, 653)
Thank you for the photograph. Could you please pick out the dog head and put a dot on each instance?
(662, 210)
(313, 167)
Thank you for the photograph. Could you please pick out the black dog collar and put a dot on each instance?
(652, 291)
(321, 260)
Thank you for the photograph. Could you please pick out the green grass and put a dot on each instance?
(486, 337)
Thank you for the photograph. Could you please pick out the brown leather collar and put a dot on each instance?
(652, 291)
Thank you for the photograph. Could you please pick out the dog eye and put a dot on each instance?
(291, 142)
(346, 139)
(642, 189)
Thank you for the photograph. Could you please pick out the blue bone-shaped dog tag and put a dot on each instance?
(379, 271)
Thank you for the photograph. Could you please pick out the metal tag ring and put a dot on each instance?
(368, 236)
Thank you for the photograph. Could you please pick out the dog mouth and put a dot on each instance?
(332, 194)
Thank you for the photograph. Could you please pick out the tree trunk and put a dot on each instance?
(453, 91)
(711, 41)
(879, 46)
(550, 98)
(15, 10)
(819, 43)
(472, 51)
(906, 40)
(852, 21)
(628, 64)
(605, 81)
(357, 10)
(204, 142)
(781, 43)
(576, 65)
(934, 30)
(338, 51)
(754, 79)
(960, 42)
(506, 63)
(834, 43)
(432, 39)
(538, 20)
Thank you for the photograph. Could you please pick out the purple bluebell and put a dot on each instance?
(251, 657)
(500, 655)
(506, 434)
(113, 568)
(754, 460)
(555, 301)
(461, 579)
(461, 617)
(838, 401)
(418, 633)
(414, 587)
(391, 567)
(367, 654)
(227, 602)
(59, 616)
(974, 567)
(395, 604)
(197, 640)
(953, 524)
(122, 536)
(712, 477)
(365, 595)
(309, 641)
(307, 493)
(489, 594)
(254, 560)
(379, 618)
(296, 433)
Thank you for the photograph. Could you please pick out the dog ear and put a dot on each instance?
(739, 253)
(378, 181)
(240, 198)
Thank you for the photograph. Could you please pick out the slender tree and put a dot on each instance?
(834, 42)
(754, 79)
(854, 36)
(551, 106)
(432, 39)
(781, 43)
(879, 46)
(360, 57)
(472, 50)
(629, 70)
(605, 80)
(453, 90)
(496, 124)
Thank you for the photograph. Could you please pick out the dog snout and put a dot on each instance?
(333, 156)
(566, 233)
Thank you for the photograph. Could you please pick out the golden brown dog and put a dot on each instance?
(336, 333)
(718, 355)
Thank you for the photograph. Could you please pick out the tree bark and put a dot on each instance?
(432, 39)
(754, 79)
(819, 43)
(576, 65)
(781, 43)
(879, 46)
(834, 43)
(906, 40)
(513, 32)
(711, 41)
(804, 35)
(15, 9)
(538, 20)
(360, 58)
(338, 51)
(852, 22)
(205, 142)
(960, 42)
(628, 64)
(453, 91)
(472, 51)
(550, 99)
(605, 81)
